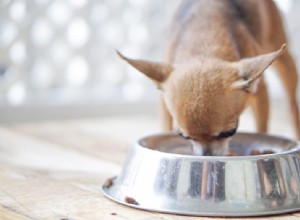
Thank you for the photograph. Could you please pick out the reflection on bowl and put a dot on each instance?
(162, 174)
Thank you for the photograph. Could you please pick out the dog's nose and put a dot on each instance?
(208, 152)
(213, 148)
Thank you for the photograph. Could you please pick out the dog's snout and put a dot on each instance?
(211, 148)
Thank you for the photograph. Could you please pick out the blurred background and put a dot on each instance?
(58, 57)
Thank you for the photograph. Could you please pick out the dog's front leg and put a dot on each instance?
(166, 118)
(260, 106)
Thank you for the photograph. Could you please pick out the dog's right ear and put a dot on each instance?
(158, 72)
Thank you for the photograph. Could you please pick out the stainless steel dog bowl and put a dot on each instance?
(160, 174)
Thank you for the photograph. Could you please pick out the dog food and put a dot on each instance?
(231, 154)
(131, 201)
(256, 152)
(108, 183)
(252, 153)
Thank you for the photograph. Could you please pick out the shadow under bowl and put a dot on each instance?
(161, 174)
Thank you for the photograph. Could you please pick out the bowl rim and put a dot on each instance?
(138, 144)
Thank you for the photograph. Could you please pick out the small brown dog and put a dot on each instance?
(214, 67)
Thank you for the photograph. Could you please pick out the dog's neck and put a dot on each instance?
(226, 41)
(192, 47)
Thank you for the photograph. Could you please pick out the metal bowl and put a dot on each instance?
(161, 174)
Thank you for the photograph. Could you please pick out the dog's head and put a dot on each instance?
(206, 96)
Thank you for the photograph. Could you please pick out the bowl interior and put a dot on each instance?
(243, 144)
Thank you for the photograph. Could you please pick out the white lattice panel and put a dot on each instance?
(63, 51)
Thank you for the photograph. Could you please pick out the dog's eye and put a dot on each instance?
(184, 136)
(226, 134)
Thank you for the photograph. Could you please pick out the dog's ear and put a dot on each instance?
(158, 72)
(251, 69)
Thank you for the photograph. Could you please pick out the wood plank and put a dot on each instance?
(54, 198)
(43, 196)
(6, 213)
(53, 170)
(21, 150)
(106, 139)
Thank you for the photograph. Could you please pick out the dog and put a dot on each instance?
(213, 69)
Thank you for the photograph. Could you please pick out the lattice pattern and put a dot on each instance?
(66, 48)
(62, 46)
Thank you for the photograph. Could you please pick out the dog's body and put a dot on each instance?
(213, 68)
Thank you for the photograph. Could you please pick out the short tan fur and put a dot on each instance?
(213, 69)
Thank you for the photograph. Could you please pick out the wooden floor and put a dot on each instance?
(53, 170)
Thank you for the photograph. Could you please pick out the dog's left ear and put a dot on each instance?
(251, 69)
(156, 71)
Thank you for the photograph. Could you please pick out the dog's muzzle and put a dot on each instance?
(213, 148)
